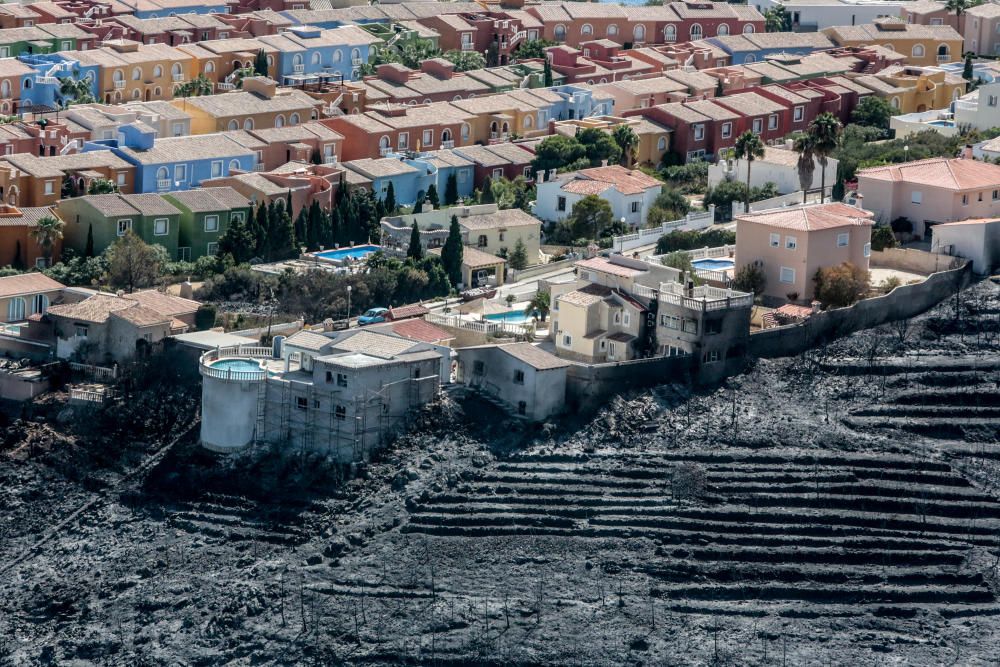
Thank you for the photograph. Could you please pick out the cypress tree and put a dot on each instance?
(390, 200)
(418, 206)
(316, 232)
(260, 63)
(415, 251)
(261, 231)
(432, 196)
(88, 250)
(547, 74)
(451, 253)
(487, 195)
(302, 225)
(451, 189)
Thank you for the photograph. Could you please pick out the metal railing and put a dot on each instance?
(447, 144)
(94, 372)
(119, 85)
(298, 69)
(222, 85)
(250, 352)
(178, 77)
(163, 184)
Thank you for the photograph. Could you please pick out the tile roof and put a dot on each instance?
(587, 295)
(372, 343)
(876, 32)
(243, 103)
(150, 204)
(751, 104)
(511, 217)
(99, 308)
(56, 165)
(954, 173)
(182, 149)
(626, 181)
(163, 303)
(604, 265)
(534, 356)
(23, 216)
(27, 283)
(811, 218)
(382, 167)
(307, 340)
(422, 330)
(202, 200)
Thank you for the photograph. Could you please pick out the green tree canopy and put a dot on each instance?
(466, 60)
(133, 264)
(591, 216)
(451, 253)
(873, 112)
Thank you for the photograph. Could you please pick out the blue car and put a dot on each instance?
(374, 316)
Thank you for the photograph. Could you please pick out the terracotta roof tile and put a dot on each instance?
(954, 173)
(27, 283)
(811, 218)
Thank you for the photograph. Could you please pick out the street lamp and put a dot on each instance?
(348, 305)
(906, 153)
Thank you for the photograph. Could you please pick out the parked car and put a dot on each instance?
(374, 316)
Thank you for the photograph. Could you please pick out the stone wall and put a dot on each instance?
(589, 385)
(903, 302)
(914, 261)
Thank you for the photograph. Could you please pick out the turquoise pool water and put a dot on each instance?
(713, 264)
(513, 317)
(357, 252)
(942, 123)
(245, 365)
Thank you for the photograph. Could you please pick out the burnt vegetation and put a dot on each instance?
(839, 506)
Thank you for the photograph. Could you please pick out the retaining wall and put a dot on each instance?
(590, 385)
(903, 302)
(913, 260)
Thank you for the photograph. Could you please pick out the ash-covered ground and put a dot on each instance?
(838, 507)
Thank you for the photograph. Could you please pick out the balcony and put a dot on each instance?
(119, 85)
(299, 69)
(447, 144)
(178, 78)
(944, 58)
(384, 150)
(499, 136)
(163, 184)
(357, 61)
(330, 159)
(258, 167)
(467, 46)
(225, 86)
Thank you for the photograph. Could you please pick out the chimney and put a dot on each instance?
(540, 176)
(967, 152)
(552, 174)
(858, 200)
(789, 145)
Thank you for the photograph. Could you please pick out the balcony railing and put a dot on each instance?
(119, 85)
(944, 58)
(299, 69)
(222, 85)
(357, 61)
(467, 46)
(163, 184)
(447, 144)
(384, 150)
(330, 159)
(258, 167)
(178, 77)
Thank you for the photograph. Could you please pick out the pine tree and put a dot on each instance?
(519, 257)
(260, 63)
(451, 254)
(432, 196)
(451, 189)
(302, 225)
(390, 200)
(88, 250)
(418, 206)
(415, 251)
(487, 195)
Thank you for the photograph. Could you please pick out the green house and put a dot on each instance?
(205, 217)
(107, 217)
(41, 39)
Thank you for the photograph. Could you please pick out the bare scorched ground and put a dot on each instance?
(838, 507)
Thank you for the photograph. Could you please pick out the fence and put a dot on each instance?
(643, 237)
(95, 372)
(791, 199)
(901, 303)
(491, 328)
(539, 270)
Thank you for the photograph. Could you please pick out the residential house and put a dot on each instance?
(778, 166)
(630, 193)
(793, 243)
(931, 12)
(982, 29)
(767, 118)
(497, 161)
(105, 328)
(166, 119)
(147, 9)
(912, 89)
(170, 30)
(308, 142)
(758, 46)
(979, 109)
(642, 93)
(435, 81)
(49, 12)
(27, 294)
(597, 324)
(12, 72)
(95, 222)
(450, 163)
(701, 128)
(526, 379)
(130, 71)
(654, 139)
(924, 44)
(45, 38)
(410, 177)
(16, 15)
(813, 15)
(484, 227)
(977, 240)
(479, 269)
(378, 132)
(29, 180)
(495, 118)
(306, 53)
(205, 215)
(932, 191)
(260, 105)
(17, 247)
(596, 61)
(41, 88)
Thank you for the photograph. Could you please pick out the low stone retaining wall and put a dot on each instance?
(914, 261)
(589, 385)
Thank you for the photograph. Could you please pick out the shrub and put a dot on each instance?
(689, 240)
(751, 278)
(889, 284)
(902, 225)
(204, 317)
(841, 285)
(882, 238)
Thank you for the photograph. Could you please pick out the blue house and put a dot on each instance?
(305, 53)
(755, 47)
(449, 162)
(176, 163)
(410, 177)
(154, 9)
(42, 87)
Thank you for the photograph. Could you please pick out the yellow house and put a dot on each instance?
(654, 139)
(238, 53)
(921, 44)
(260, 105)
(131, 71)
(914, 89)
(497, 117)
(205, 63)
(597, 324)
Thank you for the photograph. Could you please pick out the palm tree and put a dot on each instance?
(959, 7)
(825, 132)
(628, 141)
(46, 232)
(195, 87)
(748, 147)
(539, 303)
(806, 163)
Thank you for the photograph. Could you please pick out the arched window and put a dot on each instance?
(560, 33)
(748, 29)
(117, 76)
(639, 33)
(750, 58)
(209, 67)
(136, 94)
(943, 52)
(466, 131)
(894, 102)
(157, 91)
(136, 73)
(383, 142)
(356, 56)
(528, 122)
(315, 59)
(234, 124)
(279, 121)
(39, 304)
(248, 124)
(457, 97)
(338, 56)
(157, 72)
(270, 61)
(586, 29)
(917, 51)
(661, 145)
(612, 30)
(176, 69)
(604, 79)
(293, 119)
(446, 134)
(15, 309)
(5, 88)
(723, 30)
(670, 33)
(696, 31)
(954, 94)
(297, 59)
(162, 174)
(233, 165)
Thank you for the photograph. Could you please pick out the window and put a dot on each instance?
(798, 113)
(639, 33)
(748, 29)
(699, 132)
(136, 73)
(161, 226)
(497, 173)
(294, 119)
(567, 340)
(917, 51)
(15, 309)
(341, 380)
(587, 29)
(403, 141)
(50, 187)
(635, 207)
(279, 120)
(689, 326)
(775, 240)
(916, 197)
(560, 33)
(180, 173)
(234, 124)
(713, 327)
(216, 168)
(868, 250)
(80, 330)
(965, 200)
(157, 71)
(670, 321)
(723, 30)
(791, 243)
(561, 204)
(787, 275)
(211, 223)
(612, 30)
(772, 122)
(992, 100)
(696, 31)
(518, 377)
(996, 195)
(758, 125)
(237, 216)
(463, 175)
(627, 319)
(212, 249)
(301, 402)
(843, 239)
(340, 412)
(482, 242)
(526, 173)
(727, 130)
(466, 131)
(124, 226)
(428, 137)
(710, 357)
(522, 408)
(661, 145)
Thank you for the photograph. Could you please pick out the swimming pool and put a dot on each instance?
(942, 123)
(340, 254)
(713, 264)
(237, 364)
(513, 317)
